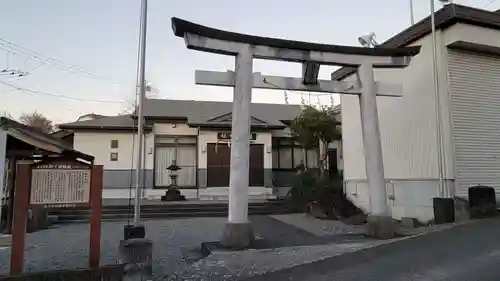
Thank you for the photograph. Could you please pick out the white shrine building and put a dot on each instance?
(197, 135)
(468, 59)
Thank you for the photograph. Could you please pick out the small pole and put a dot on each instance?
(3, 183)
(437, 108)
(412, 13)
(140, 113)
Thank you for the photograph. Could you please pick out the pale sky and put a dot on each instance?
(95, 42)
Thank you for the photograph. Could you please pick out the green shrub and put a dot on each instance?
(303, 190)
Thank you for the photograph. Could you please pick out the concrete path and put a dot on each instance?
(464, 253)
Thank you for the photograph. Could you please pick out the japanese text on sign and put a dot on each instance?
(60, 186)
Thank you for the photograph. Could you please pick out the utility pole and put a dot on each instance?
(137, 230)
(135, 250)
(140, 113)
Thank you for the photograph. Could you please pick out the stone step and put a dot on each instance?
(223, 196)
(165, 211)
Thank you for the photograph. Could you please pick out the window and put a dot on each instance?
(114, 143)
(182, 150)
(289, 155)
(285, 158)
(113, 156)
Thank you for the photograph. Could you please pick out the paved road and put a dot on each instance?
(464, 253)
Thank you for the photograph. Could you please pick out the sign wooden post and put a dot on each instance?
(21, 206)
(56, 183)
(95, 220)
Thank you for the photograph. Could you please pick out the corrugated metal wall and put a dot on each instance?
(475, 102)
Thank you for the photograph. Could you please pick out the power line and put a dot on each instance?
(38, 56)
(46, 60)
(16, 87)
(489, 3)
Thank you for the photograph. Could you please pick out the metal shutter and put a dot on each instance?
(475, 106)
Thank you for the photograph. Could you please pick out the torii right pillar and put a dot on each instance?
(379, 222)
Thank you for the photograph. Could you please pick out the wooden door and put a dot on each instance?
(332, 163)
(218, 164)
(256, 165)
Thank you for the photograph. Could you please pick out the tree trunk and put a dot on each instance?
(323, 158)
(304, 152)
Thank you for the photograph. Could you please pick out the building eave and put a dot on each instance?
(226, 126)
(106, 128)
(444, 18)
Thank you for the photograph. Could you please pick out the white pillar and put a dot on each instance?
(3, 149)
(240, 137)
(371, 142)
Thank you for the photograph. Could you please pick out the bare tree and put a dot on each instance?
(37, 120)
(131, 104)
(6, 114)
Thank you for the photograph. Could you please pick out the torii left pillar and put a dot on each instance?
(238, 232)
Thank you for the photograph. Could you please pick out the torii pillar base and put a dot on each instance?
(237, 235)
(380, 227)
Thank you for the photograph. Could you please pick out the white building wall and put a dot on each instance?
(408, 129)
(119, 176)
(98, 144)
(472, 34)
(178, 129)
(409, 140)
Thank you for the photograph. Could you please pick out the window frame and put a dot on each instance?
(112, 146)
(113, 159)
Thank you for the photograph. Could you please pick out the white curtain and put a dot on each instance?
(164, 157)
(312, 158)
(186, 159)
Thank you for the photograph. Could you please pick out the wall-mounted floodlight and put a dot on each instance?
(368, 40)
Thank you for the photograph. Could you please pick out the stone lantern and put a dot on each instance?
(174, 173)
(173, 193)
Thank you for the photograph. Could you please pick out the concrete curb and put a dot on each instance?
(347, 259)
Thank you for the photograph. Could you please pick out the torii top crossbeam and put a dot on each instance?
(195, 36)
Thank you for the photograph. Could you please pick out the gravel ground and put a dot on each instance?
(319, 227)
(66, 246)
(244, 264)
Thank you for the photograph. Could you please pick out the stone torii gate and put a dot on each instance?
(238, 232)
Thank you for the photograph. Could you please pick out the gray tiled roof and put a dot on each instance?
(117, 122)
(195, 112)
(39, 139)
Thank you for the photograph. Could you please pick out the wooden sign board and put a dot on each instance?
(227, 136)
(60, 183)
